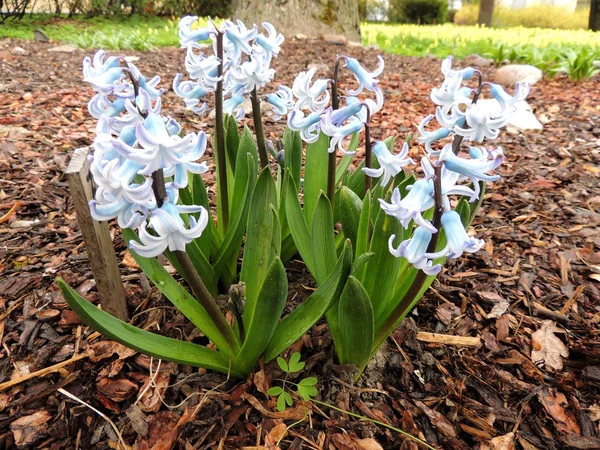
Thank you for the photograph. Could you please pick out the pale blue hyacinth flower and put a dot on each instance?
(232, 106)
(458, 239)
(204, 68)
(475, 168)
(271, 43)
(308, 126)
(238, 39)
(135, 112)
(482, 124)
(282, 101)
(129, 205)
(365, 79)
(339, 133)
(411, 207)
(506, 100)
(189, 37)
(316, 97)
(187, 163)
(429, 137)
(159, 150)
(390, 164)
(451, 95)
(414, 250)
(127, 91)
(336, 117)
(449, 180)
(102, 75)
(191, 93)
(170, 230)
(466, 73)
(101, 105)
(252, 74)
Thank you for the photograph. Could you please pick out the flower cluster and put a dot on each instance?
(133, 142)
(246, 64)
(461, 117)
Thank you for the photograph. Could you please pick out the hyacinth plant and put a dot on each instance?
(275, 200)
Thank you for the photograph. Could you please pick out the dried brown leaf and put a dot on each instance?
(547, 348)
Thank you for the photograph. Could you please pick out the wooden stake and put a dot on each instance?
(96, 236)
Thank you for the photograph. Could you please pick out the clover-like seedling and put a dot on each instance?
(305, 388)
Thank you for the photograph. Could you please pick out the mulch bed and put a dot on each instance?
(538, 274)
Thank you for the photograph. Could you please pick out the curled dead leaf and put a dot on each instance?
(547, 348)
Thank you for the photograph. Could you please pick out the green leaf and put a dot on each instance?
(323, 240)
(380, 286)
(248, 145)
(292, 145)
(344, 164)
(306, 392)
(263, 240)
(232, 140)
(308, 381)
(275, 391)
(145, 342)
(200, 197)
(283, 365)
(298, 225)
(356, 325)
(281, 402)
(294, 363)
(315, 175)
(360, 263)
(177, 295)
(299, 321)
(264, 317)
(288, 398)
(230, 247)
(364, 225)
(351, 206)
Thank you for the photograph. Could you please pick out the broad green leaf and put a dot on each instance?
(360, 262)
(292, 145)
(356, 325)
(351, 206)
(264, 317)
(306, 392)
(200, 197)
(288, 248)
(380, 285)
(145, 342)
(281, 402)
(299, 321)
(294, 363)
(323, 240)
(263, 239)
(298, 225)
(248, 145)
(177, 295)
(230, 247)
(288, 398)
(283, 365)
(356, 182)
(315, 175)
(308, 381)
(275, 391)
(232, 140)
(344, 164)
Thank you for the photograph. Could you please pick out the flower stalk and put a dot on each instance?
(368, 151)
(332, 163)
(458, 139)
(258, 129)
(220, 136)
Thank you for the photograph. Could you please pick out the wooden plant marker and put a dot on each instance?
(96, 236)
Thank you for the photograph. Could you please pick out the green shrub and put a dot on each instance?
(418, 11)
(531, 17)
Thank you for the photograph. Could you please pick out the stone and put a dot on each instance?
(301, 37)
(131, 59)
(19, 51)
(335, 39)
(513, 73)
(66, 48)
(354, 44)
(477, 61)
(40, 36)
(522, 120)
(27, 96)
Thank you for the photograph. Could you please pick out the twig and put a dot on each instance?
(435, 338)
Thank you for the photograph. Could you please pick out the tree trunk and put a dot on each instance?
(595, 15)
(309, 17)
(486, 11)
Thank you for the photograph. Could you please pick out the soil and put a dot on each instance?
(533, 289)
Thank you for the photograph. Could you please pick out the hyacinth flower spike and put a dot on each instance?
(409, 208)
(102, 75)
(506, 100)
(466, 73)
(449, 180)
(365, 79)
(314, 97)
(281, 101)
(309, 126)
(474, 168)
(191, 93)
(129, 205)
(252, 74)
(202, 68)
(232, 106)
(272, 42)
(429, 137)
(390, 164)
(238, 39)
(414, 250)
(169, 230)
(339, 133)
(458, 239)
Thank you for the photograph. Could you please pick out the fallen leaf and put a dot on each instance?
(369, 444)
(29, 429)
(105, 349)
(506, 442)
(554, 404)
(275, 435)
(547, 347)
(261, 381)
(117, 390)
